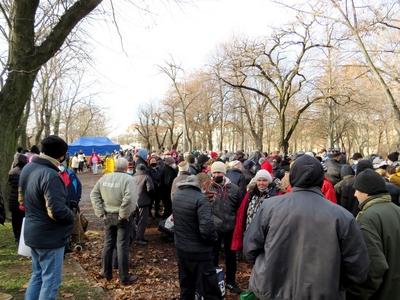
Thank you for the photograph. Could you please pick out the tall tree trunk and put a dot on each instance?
(242, 129)
(283, 146)
(24, 61)
(57, 122)
(210, 141)
(23, 138)
(13, 98)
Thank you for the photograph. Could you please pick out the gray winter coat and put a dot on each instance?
(303, 246)
(144, 187)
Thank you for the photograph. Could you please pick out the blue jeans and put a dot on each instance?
(47, 269)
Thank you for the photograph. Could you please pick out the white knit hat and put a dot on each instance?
(235, 164)
(218, 166)
(263, 174)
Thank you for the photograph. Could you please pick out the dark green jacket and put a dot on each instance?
(379, 220)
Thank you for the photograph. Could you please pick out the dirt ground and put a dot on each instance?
(154, 264)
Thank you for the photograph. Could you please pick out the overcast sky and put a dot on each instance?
(190, 33)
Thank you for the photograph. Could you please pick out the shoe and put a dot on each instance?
(142, 242)
(106, 277)
(131, 279)
(233, 288)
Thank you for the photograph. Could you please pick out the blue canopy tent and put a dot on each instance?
(88, 144)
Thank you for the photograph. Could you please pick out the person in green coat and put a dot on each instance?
(379, 220)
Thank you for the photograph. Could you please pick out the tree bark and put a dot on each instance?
(23, 138)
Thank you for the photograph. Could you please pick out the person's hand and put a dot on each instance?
(21, 207)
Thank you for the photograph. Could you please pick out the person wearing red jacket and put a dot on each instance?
(327, 189)
(263, 189)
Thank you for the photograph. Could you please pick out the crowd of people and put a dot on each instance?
(313, 225)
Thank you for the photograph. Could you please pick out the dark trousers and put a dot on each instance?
(192, 267)
(117, 236)
(167, 206)
(142, 220)
(16, 221)
(230, 256)
(157, 205)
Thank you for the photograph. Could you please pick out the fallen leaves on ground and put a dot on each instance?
(154, 264)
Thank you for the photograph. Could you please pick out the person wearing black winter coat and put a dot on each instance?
(17, 214)
(167, 178)
(236, 176)
(155, 174)
(333, 167)
(225, 199)
(194, 237)
(302, 246)
(347, 198)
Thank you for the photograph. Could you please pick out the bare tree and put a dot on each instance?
(144, 127)
(26, 55)
(264, 69)
(185, 99)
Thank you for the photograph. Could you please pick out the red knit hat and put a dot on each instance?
(266, 165)
(214, 155)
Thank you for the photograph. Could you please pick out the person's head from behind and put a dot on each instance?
(121, 165)
(336, 155)
(356, 157)
(54, 147)
(368, 183)
(35, 149)
(22, 161)
(306, 172)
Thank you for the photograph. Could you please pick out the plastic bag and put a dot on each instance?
(23, 249)
(169, 223)
(213, 284)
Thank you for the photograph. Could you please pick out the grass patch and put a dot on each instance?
(14, 269)
(15, 272)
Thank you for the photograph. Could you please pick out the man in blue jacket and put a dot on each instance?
(48, 218)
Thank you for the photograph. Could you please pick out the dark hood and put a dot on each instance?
(306, 172)
(362, 165)
(346, 170)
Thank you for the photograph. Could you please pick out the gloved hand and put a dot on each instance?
(73, 204)
(122, 221)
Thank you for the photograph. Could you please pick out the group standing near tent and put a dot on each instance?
(311, 225)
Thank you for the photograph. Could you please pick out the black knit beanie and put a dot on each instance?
(370, 182)
(362, 165)
(394, 156)
(202, 159)
(54, 146)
